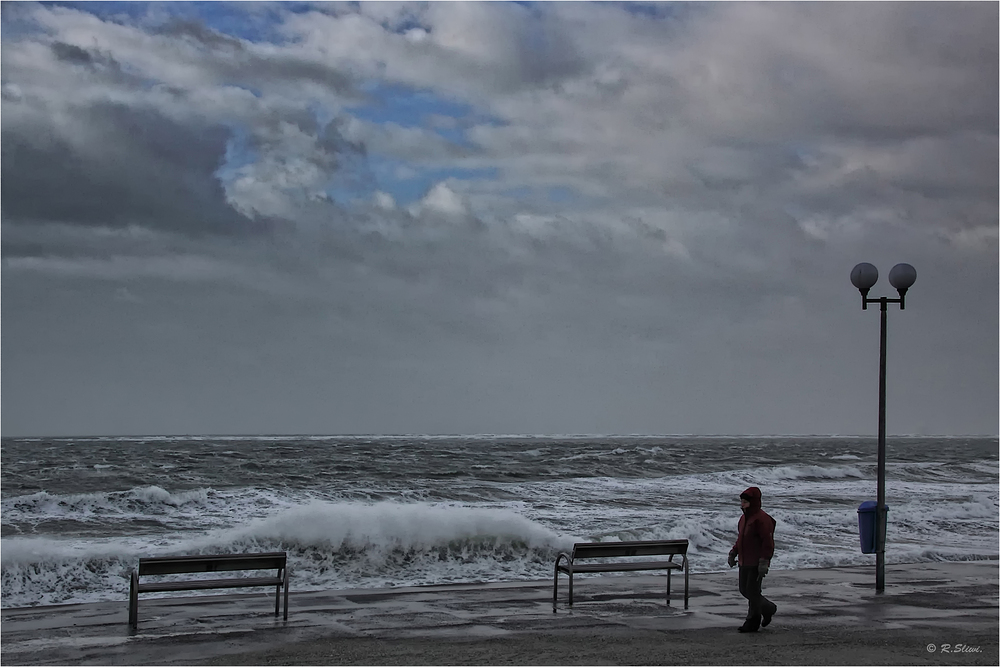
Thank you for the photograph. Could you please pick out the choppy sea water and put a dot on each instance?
(374, 511)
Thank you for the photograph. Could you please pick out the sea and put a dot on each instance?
(388, 511)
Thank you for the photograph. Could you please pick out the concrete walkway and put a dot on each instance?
(955, 600)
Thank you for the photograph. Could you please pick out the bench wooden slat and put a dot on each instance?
(193, 585)
(197, 557)
(629, 549)
(624, 567)
(213, 563)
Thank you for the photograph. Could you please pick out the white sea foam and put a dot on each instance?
(39, 550)
(88, 507)
(782, 473)
(394, 525)
(107, 501)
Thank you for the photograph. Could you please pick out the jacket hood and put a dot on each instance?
(753, 495)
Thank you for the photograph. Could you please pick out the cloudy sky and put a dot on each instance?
(496, 218)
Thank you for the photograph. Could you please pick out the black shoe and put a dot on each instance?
(747, 628)
(767, 617)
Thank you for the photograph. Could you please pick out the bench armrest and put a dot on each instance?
(569, 559)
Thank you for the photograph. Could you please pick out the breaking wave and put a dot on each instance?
(330, 545)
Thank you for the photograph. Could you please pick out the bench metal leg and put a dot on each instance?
(685, 583)
(277, 594)
(133, 600)
(286, 594)
(555, 587)
(668, 587)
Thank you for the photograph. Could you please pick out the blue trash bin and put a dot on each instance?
(866, 525)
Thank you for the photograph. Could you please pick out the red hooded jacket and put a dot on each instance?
(755, 541)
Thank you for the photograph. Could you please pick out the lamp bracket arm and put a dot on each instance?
(878, 300)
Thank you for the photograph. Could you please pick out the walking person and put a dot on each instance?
(754, 548)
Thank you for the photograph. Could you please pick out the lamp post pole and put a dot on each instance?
(880, 513)
(864, 276)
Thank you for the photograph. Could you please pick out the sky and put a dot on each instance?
(332, 218)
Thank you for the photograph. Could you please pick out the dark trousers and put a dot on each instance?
(757, 603)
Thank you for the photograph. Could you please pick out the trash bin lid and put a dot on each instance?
(870, 506)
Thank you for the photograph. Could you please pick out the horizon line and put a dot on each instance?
(502, 435)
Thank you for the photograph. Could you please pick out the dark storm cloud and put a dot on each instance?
(199, 33)
(71, 53)
(140, 168)
(138, 162)
(230, 60)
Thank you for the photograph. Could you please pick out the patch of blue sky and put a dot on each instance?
(252, 21)
(653, 10)
(239, 152)
(411, 107)
(406, 105)
(407, 182)
(664, 10)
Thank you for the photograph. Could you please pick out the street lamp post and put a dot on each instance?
(864, 276)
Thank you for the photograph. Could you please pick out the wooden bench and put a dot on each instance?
(588, 550)
(214, 563)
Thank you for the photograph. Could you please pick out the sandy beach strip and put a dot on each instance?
(826, 616)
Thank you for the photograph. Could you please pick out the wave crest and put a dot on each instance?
(810, 472)
(392, 525)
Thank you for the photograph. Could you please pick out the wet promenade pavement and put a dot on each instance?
(944, 602)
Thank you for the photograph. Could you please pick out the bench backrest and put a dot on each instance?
(641, 548)
(212, 563)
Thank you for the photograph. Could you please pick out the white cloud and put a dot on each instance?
(404, 143)
(384, 200)
(983, 238)
(442, 200)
